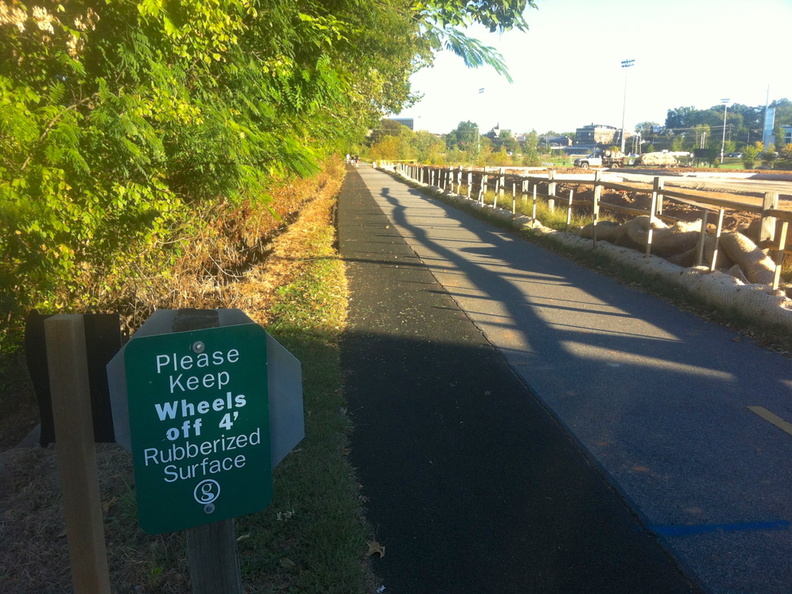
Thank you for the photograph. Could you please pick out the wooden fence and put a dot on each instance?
(476, 183)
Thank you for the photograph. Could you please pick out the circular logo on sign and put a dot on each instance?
(206, 491)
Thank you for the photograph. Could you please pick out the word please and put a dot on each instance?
(173, 362)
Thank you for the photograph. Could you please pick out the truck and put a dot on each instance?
(607, 158)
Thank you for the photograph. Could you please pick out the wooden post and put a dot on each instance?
(702, 237)
(768, 224)
(718, 231)
(212, 556)
(596, 207)
(470, 183)
(779, 255)
(211, 548)
(658, 184)
(76, 453)
(551, 189)
(569, 210)
(500, 191)
(514, 197)
(533, 210)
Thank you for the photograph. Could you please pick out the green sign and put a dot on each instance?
(199, 426)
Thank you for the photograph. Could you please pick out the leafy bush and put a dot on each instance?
(120, 121)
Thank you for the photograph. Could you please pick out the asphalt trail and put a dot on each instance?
(472, 486)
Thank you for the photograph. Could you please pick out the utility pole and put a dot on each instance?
(723, 142)
(625, 64)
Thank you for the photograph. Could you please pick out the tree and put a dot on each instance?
(465, 137)
(646, 128)
(749, 156)
(386, 127)
(118, 120)
(679, 117)
(430, 148)
(442, 21)
(530, 149)
(784, 160)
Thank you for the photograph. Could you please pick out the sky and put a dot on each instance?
(567, 68)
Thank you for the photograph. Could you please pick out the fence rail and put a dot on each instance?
(476, 183)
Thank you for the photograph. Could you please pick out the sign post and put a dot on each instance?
(71, 404)
(209, 404)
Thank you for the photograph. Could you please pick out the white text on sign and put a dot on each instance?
(172, 364)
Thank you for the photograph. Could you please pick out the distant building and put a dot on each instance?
(495, 132)
(769, 123)
(557, 141)
(409, 122)
(595, 135)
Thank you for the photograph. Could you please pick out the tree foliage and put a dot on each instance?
(118, 119)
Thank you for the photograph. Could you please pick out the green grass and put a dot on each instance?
(555, 218)
(313, 537)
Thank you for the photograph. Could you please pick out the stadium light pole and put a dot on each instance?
(723, 142)
(625, 64)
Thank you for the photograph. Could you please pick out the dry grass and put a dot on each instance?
(241, 262)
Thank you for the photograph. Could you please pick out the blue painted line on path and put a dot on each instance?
(706, 528)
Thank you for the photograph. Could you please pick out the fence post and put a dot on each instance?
(514, 197)
(569, 210)
(657, 185)
(778, 257)
(551, 190)
(768, 224)
(596, 207)
(702, 235)
(718, 230)
(533, 210)
(501, 183)
(76, 454)
(483, 187)
(470, 183)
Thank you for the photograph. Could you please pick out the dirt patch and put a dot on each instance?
(33, 546)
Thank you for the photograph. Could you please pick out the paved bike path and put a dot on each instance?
(658, 397)
(471, 486)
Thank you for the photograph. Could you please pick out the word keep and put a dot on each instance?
(172, 364)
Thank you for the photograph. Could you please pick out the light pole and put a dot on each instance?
(625, 64)
(723, 142)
